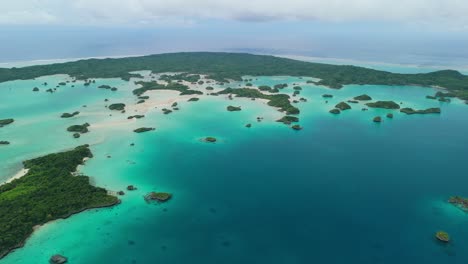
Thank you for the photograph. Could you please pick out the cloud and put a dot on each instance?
(440, 13)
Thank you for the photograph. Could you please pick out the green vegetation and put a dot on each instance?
(143, 129)
(411, 111)
(209, 88)
(335, 111)
(327, 96)
(166, 111)
(35, 89)
(288, 120)
(68, 115)
(147, 86)
(233, 108)
(460, 202)
(135, 116)
(118, 106)
(280, 86)
(377, 119)
(3, 142)
(442, 236)
(158, 196)
(4, 122)
(276, 100)
(431, 97)
(343, 106)
(248, 125)
(192, 78)
(79, 128)
(105, 86)
(210, 139)
(47, 192)
(193, 99)
(384, 104)
(297, 88)
(389, 115)
(363, 97)
(223, 66)
(296, 127)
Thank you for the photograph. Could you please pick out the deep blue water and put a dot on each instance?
(338, 192)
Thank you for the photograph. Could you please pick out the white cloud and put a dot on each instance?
(440, 13)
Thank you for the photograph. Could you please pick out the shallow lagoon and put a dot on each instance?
(341, 190)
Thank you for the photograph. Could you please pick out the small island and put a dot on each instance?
(144, 129)
(35, 89)
(363, 97)
(377, 119)
(210, 139)
(343, 106)
(135, 116)
(193, 99)
(79, 128)
(288, 120)
(390, 115)
(411, 111)
(335, 111)
(4, 142)
(68, 115)
(233, 108)
(118, 107)
(158, 196)
(327, 96)
(58, 259)
(442, 236)
(4, 122)
(459, 202)
(296, 127)
(384, 105)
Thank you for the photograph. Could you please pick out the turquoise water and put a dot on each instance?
(342, 190)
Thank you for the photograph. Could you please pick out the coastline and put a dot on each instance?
(36, 227)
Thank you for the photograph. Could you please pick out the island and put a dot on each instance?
(233, 108)
(35, 89)
(384, 105)
(343, 106)
(296, 127)
(79, 128)
(68, 115)
(389, 115)
(144, 129)
(135, 116)
(335, 111)
(4, 122)
(118, 107)
(210, 139)
(411, 111)
(327, 96)
(276, 100)
(222, 67)
(363, 97)
(58, 259)
(158, 196)
(288, 120)
(193, 99)
(4, 142)
(154, 85)
(442, 236)
(377, 119)
(460, 202)
(47, 192)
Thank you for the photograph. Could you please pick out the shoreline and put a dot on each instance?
(36, 227)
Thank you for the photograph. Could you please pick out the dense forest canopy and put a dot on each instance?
(47, 192)
(223, 66)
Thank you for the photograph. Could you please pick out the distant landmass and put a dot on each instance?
(232, 66)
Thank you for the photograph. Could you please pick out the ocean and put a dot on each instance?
(342, 190)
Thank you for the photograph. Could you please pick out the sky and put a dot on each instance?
(410, 31)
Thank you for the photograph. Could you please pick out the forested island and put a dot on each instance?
(47, 192)
(223, 67)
